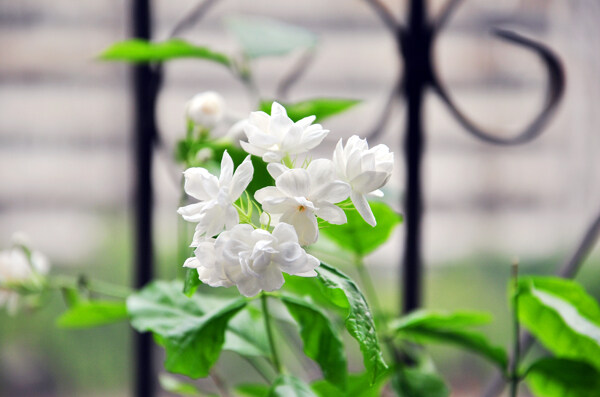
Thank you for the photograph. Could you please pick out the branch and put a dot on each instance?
(384, 117)
(191, 17)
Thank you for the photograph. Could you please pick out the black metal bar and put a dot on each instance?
(414, 43)
(144, 133)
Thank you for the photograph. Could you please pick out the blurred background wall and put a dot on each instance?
(66, 158)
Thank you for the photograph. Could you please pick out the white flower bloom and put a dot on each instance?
(251, 259)
(366, 170)
(215, 211)
(206, 109)
(300, 195)
(16, 268)
(277, 136)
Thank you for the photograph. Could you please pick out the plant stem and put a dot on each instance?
(514, 367)
(267, 317)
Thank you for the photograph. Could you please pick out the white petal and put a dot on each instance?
(305, 224)
(267, 193)
(363, 208)
(200, 184)
(226, 169)
(369, 181)
(252, 149)
(331, 213)
(192, 263)
(294, 183)
(260, 120)
(284, 232)
(192, 212)
(376, 193)
(321, 171)
(241, 179)
(276, 169)
(333, 192)
(305, 122)
(272, 156)
(339, 161)
(271, 279)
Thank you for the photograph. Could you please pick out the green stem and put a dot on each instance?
(267, 317)
(514, 376)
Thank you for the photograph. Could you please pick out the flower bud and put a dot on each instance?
(206, 109)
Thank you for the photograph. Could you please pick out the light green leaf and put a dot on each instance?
(358, 236)
(559, 377)
(359, 321)
(173, 385)
(260, 36)
(141, 51)
(192, 336)
(320, 339)
(424, 326)
(252, 390)
(87, 314)
(191, 282)
(562, 316)
(290, 386)
(247, 335)
(322, 108)
(358, 385)
(414, 382)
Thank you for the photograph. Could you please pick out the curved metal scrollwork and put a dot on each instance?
(555, 90)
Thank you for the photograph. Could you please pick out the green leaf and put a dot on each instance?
(358, 236)
(414, 382)
(141, 51)
(87, 314)
(260, 36)
(290, 386)
(562, 316)
(192, 340)
(424, 326)
(358, 385)
(173, 385)
(322, 108)
(252, 390)
(247, 335)
(559, 377)
(191, 282)
(359, 321)
(320, 339)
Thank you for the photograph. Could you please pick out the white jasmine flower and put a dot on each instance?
(366, 170)
(215, 211)
(276, 136)
(17, 268)
(253, 260)
(300, 195)
(206, 109)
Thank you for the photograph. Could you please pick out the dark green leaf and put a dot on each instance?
(191, 282)
(260, 36)
(290, 386)
(358, 236)
(173, 385)
(562, 316)
(252, 390)
(139, 51)
(358, 385)
(414, 382)
(322, 108)
(359, 321)
(320, 339)
(424, 326)
(559, 377)
(192, 340)
(87, 314)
